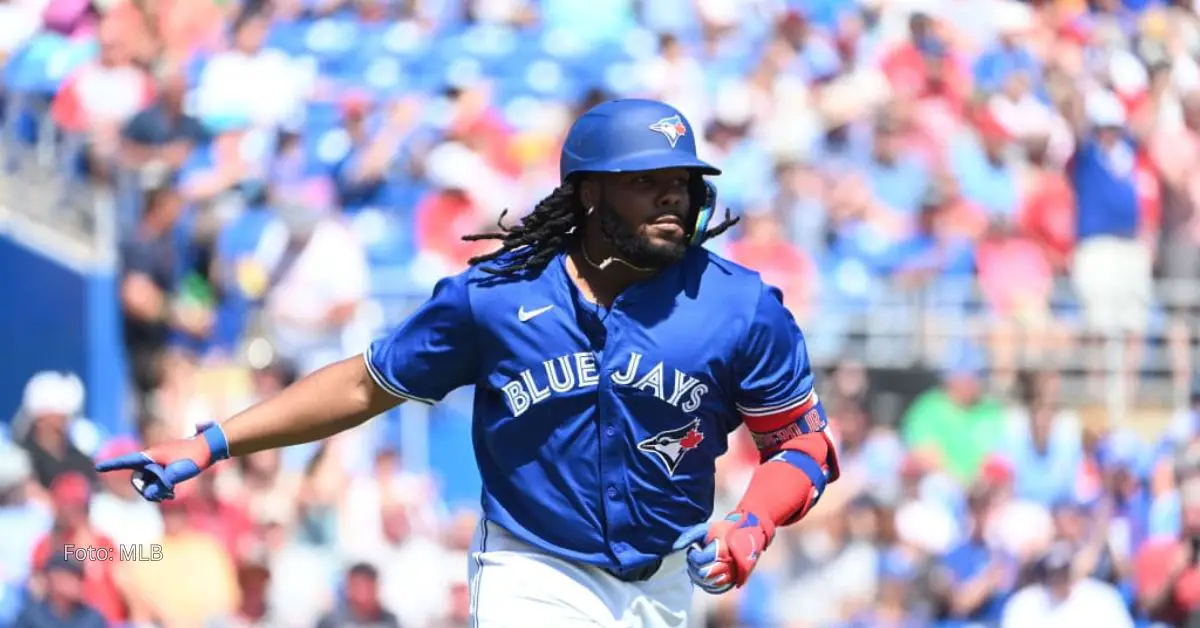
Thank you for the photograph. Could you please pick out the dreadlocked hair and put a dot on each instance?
(553, 223)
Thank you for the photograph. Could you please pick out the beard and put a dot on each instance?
(634, 247)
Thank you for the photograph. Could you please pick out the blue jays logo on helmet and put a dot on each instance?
(673, 128)
(672, 445)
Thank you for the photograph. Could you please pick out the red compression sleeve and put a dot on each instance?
(782, 491)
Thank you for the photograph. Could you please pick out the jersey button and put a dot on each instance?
(612, 493)
(610, 430)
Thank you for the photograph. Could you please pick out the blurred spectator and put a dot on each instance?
(376, 139)
(118, 511)
(1175, 151)
(19, 21)
(292, 171)
(249, 84)
(897, 604)
(897, 180)
(65, 603)
(870, 456)
(70, 495)
(71, 18)
(1059, 597)
(99, 98)
(210, 512)
(936, 249)
(1167, 571)
(675, 75)
(924, 64)
(153, 303)
(801, 206)
(51, 403)
(983, 166)
(454, 201)
(976, 578)
(416, 597)
(1111, 266)
(1044, 452)
(188, 555)
(362, 604)
(763, 246)
(1017, 284)
(956, 425)
(1085, 531)
(315, 278)
(254, 610)
(1020, 528)
(24, 520)
(1047, 215)
(836, 568)
(161, 137)
(1010, 55)
(303, 577)
(1121, 461)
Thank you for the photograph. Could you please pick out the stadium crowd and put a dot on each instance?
(289, 174)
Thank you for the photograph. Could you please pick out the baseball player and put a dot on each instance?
(611, 356)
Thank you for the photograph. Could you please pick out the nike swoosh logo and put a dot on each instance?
(524, 316)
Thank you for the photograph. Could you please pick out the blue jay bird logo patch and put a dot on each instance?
(673, 128)
(671, 446)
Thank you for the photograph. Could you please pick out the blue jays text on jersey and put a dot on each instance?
(596, 430)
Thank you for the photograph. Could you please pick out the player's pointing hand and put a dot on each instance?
(722, 555)
(158, 469)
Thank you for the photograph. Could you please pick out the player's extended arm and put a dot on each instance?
(331, 400)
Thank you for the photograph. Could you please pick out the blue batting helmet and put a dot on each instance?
(630, 136)
(634, 135)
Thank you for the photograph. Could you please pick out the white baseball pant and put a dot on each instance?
(515, 585)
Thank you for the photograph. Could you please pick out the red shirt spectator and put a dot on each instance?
(1166, 572)
(928, 71)
(230, 523)
(1165, 563)
(780, 262)
(482, 129)
(1047, 216)
(1014, 275)
(442, 218)
(107, 92)
(70, 494)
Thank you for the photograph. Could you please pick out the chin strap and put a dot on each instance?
(705, 214)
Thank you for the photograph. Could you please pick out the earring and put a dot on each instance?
(590, 210)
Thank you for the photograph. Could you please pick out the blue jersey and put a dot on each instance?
(596, 430)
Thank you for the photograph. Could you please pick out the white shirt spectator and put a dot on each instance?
(1090, 603)
(126, 522)
(264, 88)
(415, 579)
(18, 22)
(330, 271)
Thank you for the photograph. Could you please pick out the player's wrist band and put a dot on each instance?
(808, 466)
(218, 445)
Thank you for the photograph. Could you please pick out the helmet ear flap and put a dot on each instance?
(707, 193)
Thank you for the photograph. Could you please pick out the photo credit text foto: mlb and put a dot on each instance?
(125, 553)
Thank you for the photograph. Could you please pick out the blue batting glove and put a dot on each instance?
(701, 556)
(721, 555)
(157, 470)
